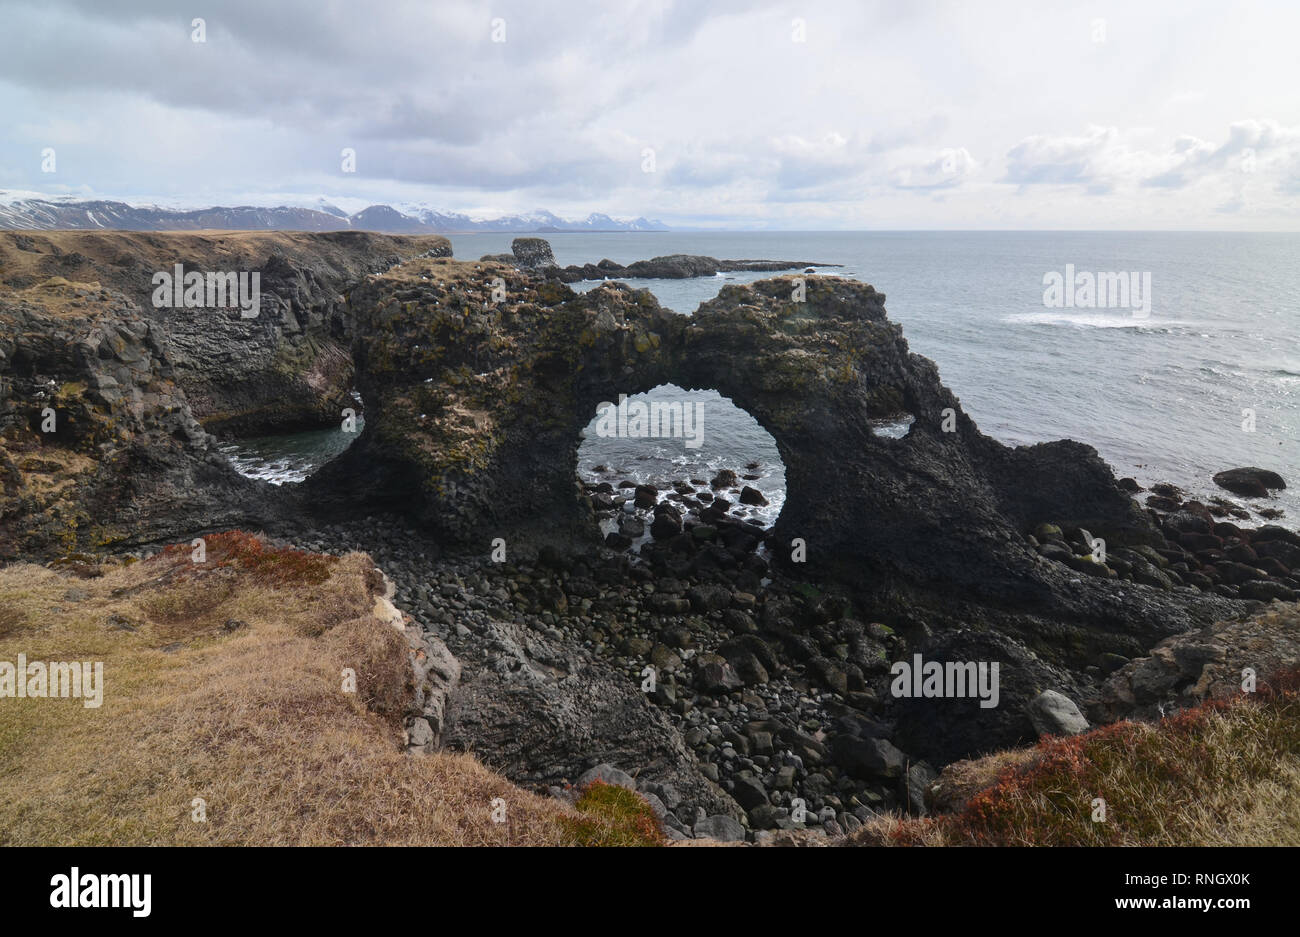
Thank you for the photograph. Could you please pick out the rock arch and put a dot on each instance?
(474, 408)
(478, 406)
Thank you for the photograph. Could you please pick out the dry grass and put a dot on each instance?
(114, 258)
(1224, 774)
(252, 718)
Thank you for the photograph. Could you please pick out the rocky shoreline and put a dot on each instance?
(768, 711)
(738, 675)
(736, 725)
(1198, 548)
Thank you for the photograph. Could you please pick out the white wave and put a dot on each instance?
(1092, 320)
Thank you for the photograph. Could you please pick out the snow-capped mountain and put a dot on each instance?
(30, 210)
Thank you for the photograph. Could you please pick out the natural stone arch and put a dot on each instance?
(478, 407)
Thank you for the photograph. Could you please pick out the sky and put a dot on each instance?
(838, 114)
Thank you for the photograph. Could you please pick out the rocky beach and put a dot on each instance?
(739, 675)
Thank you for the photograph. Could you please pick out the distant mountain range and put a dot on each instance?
(27, 212)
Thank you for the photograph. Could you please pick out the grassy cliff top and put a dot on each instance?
(125, 260)
(223, 689)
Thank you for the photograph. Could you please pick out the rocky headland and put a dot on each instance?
(530, 253)
(729, 671)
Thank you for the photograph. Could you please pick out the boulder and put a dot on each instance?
(665, 526)
(1053, 713)
(709, 598)
(724, 479)
(749, 792)
(606, 774)
(869, 758)
(1264, 590)
(532, 252)
(720, 827)
(714, 675)
(1249, 482)
(1286, 553)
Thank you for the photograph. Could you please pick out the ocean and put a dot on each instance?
(1160, 393)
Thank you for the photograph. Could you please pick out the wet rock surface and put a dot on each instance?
(1194, 546)
(1250, 482)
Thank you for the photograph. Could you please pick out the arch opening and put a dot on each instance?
(896, 426)
(670, 460)
(291, 457)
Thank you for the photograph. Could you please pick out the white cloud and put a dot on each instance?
(928, 115)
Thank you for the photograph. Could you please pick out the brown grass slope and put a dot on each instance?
(126, 260)
(223, 682)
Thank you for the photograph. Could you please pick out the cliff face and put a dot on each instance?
(97, 441)
(479, 379)
(133, 386)
(476, 404)
(284, 369)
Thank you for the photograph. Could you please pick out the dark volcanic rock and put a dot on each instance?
(944, 729)
(532, 252)
(288, 368)
(124, 462)
(1249, 482)
(530, 711)
(1209, 663)
(769, 677)
(475, 410)
(870, 757)
(676, 267)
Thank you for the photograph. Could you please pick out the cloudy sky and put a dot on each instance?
(812, 114)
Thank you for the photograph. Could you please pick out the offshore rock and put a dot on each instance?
(1249, 482)
(532, 252)
(674, 267)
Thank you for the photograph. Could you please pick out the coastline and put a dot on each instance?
(769, 675)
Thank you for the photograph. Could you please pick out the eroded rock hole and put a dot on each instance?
(896, 426)
(282, 458)
(671, 461)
